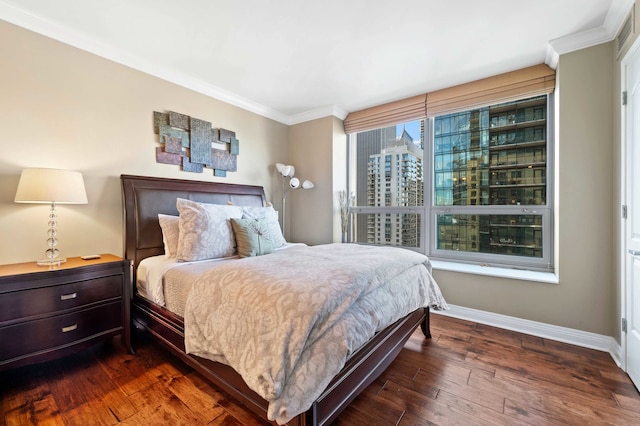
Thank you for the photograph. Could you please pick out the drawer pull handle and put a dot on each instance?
(68, 296)
(69, 328)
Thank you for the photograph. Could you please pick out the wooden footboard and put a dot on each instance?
(364, 366)
(360, 371)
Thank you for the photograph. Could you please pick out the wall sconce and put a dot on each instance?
(288, 171)
(51, 186)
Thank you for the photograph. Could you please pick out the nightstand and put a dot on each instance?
(49, 312)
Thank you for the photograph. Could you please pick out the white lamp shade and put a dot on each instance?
(285, 169)
(51, 186)
(307, 184)
(294, 182)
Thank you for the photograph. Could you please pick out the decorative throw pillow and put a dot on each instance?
(253, 236)
(170, 233)
(205, 231)
(271, 215)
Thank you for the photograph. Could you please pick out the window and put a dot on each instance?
(470, 186)
(504, 149)
(390, 213)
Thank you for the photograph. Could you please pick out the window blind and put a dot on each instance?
(385, 115)
(523, 83)
(526, 82)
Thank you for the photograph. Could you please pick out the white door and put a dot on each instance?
(632, 228)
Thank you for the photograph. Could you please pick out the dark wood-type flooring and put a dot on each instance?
(468, 374)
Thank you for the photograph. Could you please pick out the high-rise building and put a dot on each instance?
(395, 178)
(492, 156)
(368, 143)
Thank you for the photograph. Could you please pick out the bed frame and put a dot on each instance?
(144, 198)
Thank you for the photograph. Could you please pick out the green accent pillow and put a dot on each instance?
(253, 237)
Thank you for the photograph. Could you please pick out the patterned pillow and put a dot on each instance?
(272, 221)
(170, 233)
(253, 236)
(205, 231)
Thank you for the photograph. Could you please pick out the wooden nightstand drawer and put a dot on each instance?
(50, 312)
(18, 305)
(52, 333)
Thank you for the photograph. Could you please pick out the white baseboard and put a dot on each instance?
(562, 334)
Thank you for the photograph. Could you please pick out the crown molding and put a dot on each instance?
(317, 113)
(64, 35)
(615, 17)
(574, 42)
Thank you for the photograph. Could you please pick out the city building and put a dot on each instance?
(395, 179)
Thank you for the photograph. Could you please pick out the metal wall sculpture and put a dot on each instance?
(194, 144)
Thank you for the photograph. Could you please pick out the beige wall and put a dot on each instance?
(587, 185)
(61, 107)
(318, 149)
(340, 169)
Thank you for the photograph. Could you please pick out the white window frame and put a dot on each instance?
(428, 213)
(417, 210)
(544, 264)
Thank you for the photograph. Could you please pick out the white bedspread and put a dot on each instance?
(288, 321)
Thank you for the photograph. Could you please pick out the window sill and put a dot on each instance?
(492, 271)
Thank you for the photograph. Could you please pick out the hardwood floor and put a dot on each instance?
(468, 374)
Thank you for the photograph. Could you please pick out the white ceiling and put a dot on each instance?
(294, 60)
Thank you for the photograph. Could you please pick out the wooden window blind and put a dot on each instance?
(386, 115)
(523, 83)
(526, 82)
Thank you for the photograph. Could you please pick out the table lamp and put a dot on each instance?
(51, 186)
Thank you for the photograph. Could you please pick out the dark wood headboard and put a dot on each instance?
(145, 197)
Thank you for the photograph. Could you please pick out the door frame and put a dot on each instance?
(624, 178)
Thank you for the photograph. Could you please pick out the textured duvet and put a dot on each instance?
(288, 321)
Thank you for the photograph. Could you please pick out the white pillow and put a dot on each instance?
(205, 231)
(170, 233)
(272, 222)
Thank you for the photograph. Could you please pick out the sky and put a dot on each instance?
(412, 127)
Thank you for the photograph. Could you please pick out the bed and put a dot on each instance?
(147, 197)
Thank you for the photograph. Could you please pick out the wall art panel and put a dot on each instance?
(195, 145)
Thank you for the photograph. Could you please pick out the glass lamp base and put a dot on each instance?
(51, 262)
